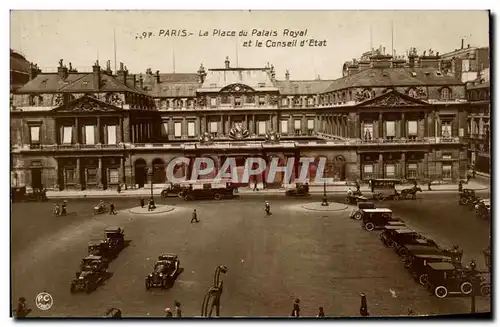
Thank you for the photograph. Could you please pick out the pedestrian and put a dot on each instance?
(22, 310)
(363, 309)
(460, 186)
(296, 309)
(178, 311)
(255, 188)
(168, 313)
(195, 217)
(429, 185)
(321, 313)
(119, 188)
(63, 207)
(142, 202)
(372, 186)
(410, 312)
(112, 209)
(151, 205)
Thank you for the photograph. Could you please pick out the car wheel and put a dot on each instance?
(392, 244)
(485, 289)
(180, 194)
(88, 288)
(369, 226)
(403, 252)
(396, 197)
(441, 292)
(164, 194)
(408, 264)
(422, 279)
(466, 288)
(188, 197)
(164, 284)
(347, 201)
(464, 201)
(357, 215)
(217, 196)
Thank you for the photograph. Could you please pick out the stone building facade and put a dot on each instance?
(386, 118)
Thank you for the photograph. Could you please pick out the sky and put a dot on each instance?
(81, 37)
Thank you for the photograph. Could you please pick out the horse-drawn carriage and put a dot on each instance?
(299, 190)
(468, 197)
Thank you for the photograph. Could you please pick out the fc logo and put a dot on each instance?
(44, 301)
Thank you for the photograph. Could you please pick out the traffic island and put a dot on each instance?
(160, 208)
(319, 206)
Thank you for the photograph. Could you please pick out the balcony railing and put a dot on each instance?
(245, 144)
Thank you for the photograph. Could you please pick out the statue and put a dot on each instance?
(60, 62)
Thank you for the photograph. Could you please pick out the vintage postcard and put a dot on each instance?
(250, 164)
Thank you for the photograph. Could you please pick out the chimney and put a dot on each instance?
(157, 77)
(201, 74)
(363, 64)
(287, 75)
(430, 61)
(141, 82)
(122, 74)
(34, 71)
(62, 71)
(134, 80)
(96, 71)
(108, 67)
(273, 73)
(380, 61)
(227, 62)
(462, 44)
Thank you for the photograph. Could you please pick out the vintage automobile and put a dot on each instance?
(98, 248)
(376, 218)
(416, 265)
(115, 239)
(92, 273)
(445, 279)
(467, 196)
(22, 194)
(299, 190)
(483, 209)
(383, 189)
(207, 192)
(355, 198)
(100, 208)
(356, 213)
(395, 237)
(164, 272)
(173, 189)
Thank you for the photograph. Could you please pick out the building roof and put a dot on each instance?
(18, 63)
(172, 84)
(217, 79)
(392, 77)
(303, 87)
(75, 82)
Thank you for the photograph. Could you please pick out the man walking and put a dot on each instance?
(296, 309)
(195, 217)
(112, 210)
(363, 310)
(178, 311)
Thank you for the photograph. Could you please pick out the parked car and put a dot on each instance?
(22, 194)
(208, 192)
(467, 196)
(164, 272)
(92, 272)
(299, 190)
(115, 239)
(93, 262)
(356, 213)
(173, 189)
(375, 218)
(445, 279)
(417, 265)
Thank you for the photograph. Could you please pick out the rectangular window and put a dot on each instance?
(70, 176)
(411, 171)
(446, 129)
(390, 129)
(284, 102)
(446, 155)
(224, 99)
(91, 176)
(164, 128)
(412, 128)
(368, 131)
(35, 134)
(113, 177)
(177, 129)
(213, 102)
(310, 101)
(390, 170)
(262, 128)
(191, 128)
(310, 124)
(111, 134)
(89, 134)
(67, 135)
(213, 127)
(297, 124)
(284, 126)
(249, 99)
(262, 101)
(367, 171)
(237, 102)
(447, 171)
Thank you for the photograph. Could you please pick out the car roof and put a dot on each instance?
(421, 247)
(95, 242)
(404, 231)
(113, 229)
(395, 223)
(441, 266)
(432, 256)
(93, 257)
(376, 210)
(394, 227)
(167, 255)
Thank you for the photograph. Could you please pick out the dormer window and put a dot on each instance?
(445, 93)
(237, 102)
(414, 74)
(224, 99)
(31, 100)
(261, 84)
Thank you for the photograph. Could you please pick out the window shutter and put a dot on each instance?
(190, 128)
(213, 127)
(177, 129)
(262, 128)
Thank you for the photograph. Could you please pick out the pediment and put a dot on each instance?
(87, 104)
(237, 88)
(393, 99)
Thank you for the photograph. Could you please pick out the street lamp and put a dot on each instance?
(146, 169)
(214, 293)
(325, 200)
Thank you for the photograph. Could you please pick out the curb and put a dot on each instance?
(326, 210)
(162, 210)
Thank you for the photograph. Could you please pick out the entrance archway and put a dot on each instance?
(140, 173)
(159, 175)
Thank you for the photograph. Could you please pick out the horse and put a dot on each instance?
(410, 191)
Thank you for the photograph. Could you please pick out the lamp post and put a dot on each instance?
(325, 200)
(150, 174)
(214, 293)
(473, 273)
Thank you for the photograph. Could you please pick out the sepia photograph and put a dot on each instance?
(250, 163)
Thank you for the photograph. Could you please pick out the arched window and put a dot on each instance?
(412, 92)
(31, 100)
(445, 93)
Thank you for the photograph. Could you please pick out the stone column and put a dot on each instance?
(380, 126)
(380, 165)
(222, 132)
(76, 133)
(78, 174)
(426, 124)
(426, 166)
(184, 127)
(197, 126)
(403, 165)
(403, 125)
(99, 132)
(359, 166)
(99, 173)
(120, 130)
(122, 171)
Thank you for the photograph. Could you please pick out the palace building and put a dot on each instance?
(387, 117)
